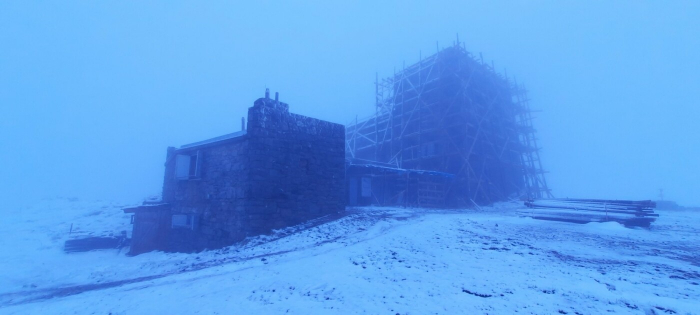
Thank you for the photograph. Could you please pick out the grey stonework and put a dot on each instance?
(296, 167)
(284, 170)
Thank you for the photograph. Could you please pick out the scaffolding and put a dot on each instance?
(452, 113)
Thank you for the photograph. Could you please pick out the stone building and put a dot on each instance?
(282, 170)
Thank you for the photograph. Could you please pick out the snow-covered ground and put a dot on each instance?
(374, 260)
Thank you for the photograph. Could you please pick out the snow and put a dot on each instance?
(225, 137)
(374, 260)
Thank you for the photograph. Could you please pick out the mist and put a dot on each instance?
(92, 94)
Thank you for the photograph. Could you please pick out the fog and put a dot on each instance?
(92, 93)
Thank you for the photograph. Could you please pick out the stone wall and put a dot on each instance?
(287, 169)
(216, 199)
(297, 167)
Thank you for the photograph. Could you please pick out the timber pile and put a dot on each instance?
(630, 213)
(95, 243)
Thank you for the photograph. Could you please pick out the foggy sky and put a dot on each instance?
(92, 93)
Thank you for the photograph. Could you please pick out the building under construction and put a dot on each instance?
(448, 131)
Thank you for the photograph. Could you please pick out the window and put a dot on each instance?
(187, 166)
(186, 221)
(366, 187)
(429, 149)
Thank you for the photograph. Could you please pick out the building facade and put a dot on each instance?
(282, 170)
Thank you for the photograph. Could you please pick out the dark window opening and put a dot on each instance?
(186, 221)
(193, 166)
(188, 166)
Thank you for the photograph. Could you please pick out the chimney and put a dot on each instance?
(277, 97)
(267, 93)
(242, 123)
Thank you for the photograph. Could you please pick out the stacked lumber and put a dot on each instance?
(627, 212)
(95, 243)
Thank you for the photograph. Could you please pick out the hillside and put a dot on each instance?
(374, 260)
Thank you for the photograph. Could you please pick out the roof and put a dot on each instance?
(215, 140)
(380, 168)
(147, 207)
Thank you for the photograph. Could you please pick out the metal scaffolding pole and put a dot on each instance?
(453, 113)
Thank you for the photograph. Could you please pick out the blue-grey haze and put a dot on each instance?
(92, 93)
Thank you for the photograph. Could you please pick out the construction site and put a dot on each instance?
(448, 131)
